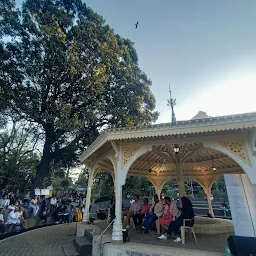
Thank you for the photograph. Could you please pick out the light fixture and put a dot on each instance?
(176, 149)
(149, 168)
(213, 167)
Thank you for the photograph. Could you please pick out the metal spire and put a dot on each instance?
(172, 103)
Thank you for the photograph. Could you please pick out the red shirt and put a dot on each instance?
(145, 208)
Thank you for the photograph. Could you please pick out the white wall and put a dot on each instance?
(242, 200)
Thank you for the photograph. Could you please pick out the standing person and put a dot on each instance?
(224, 208)
(138, 217)
(187, 212)
(82, 209)
(135, 207)
(155, 212)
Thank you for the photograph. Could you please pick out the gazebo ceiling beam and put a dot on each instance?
(160, 160)
(205, 171)
(170, 175)
(162, 154)
(191, 152)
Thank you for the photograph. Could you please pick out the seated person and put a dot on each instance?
(135, 207)
(33, 205)
(155, 212)
(171, 212)
(138, 217)
(6, 201)
(2, 202)
(63, 212)
(43, 211)
(20, 214)
(68, 212)
(2, 227)
(187, 212)
(13, 218)
(53, 204)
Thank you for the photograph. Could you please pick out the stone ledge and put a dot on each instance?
(132, 249)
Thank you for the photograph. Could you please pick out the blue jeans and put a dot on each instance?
(35, 208)
(149, 220)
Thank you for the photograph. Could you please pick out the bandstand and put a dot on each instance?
(202, 149)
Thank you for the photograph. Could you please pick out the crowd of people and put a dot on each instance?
(165, 212)
(15, 210)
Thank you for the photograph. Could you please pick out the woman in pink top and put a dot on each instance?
(171, 212)
(138, 217)
(167, 217)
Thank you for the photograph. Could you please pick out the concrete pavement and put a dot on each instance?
(46, 241)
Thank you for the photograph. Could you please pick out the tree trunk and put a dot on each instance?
(43, 168)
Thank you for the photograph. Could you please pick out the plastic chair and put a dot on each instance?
(183, 230)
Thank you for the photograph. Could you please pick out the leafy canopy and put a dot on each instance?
(64, 69)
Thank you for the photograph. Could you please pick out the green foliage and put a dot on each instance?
(82, 180)
(67, 71)
(219, 189)
(102, 185)
(138, 186)
(18, 157)
(60, 181)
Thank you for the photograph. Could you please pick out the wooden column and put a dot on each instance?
(180, 179)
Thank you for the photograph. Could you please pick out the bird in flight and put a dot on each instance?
(136, 25)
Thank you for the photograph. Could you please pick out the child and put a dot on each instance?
(83, 210)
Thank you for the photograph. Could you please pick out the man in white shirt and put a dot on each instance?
(13, 218)
(135, 207)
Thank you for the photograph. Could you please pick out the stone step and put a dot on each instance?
(69, 250)
(83, 246)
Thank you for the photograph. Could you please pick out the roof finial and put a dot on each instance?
(172, 103)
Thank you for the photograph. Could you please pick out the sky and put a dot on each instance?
(205, 49)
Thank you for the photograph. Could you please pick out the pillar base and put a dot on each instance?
(117, 232)
(117, 242)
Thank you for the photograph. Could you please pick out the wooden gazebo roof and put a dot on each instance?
(198, 160)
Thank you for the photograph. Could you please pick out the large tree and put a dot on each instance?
(63, 69)
(18, 156)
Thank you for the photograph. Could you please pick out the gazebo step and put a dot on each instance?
(83, 246)
(69, 250)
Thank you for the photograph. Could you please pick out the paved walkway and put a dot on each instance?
(46, 241)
